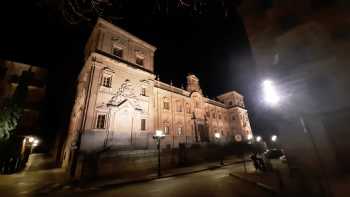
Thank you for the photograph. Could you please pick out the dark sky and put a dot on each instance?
(210, 43)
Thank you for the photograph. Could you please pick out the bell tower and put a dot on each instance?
(193, 84)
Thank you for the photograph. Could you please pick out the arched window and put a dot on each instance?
(101, 120)
(166, 130)
(179, 131)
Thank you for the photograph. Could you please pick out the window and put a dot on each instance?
(178, 107)
(220, 116)
(230, 103)
(208, 114)
(179, 131)
(139, 60)
(214, 115)
(233, 118)
(101, 121)
(143, 124)
(107, 81)
(166, 105)
(188, 108)
(143, 91)
(166, 130)
(117, 52)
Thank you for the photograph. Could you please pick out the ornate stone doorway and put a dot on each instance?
(123, 127)
(203, 131)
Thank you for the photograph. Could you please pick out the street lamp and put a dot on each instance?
(157, 137)
(274, 138)
(272, 97)
(270, 93)
(35, 142)
(250, 137)
(258, 138)
(217, 136)
(31, 139)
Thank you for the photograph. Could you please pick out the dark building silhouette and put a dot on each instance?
(302, 45)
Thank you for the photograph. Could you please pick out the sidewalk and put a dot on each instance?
(45, 181)
(26, 183)
(278, 181)
(265, 180)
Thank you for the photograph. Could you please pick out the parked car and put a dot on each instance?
(273, 153)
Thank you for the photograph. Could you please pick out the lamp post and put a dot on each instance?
(217, 136)
(249, 143)
(272, 97)
(157, 137)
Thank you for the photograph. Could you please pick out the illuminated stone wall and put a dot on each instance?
(120, 103)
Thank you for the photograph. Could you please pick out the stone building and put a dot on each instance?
(120, 103)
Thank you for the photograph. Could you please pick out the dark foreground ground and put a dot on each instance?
(209, 183)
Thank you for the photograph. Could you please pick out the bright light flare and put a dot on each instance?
(270, 93)
(258, 138)
(249, 136)
(159, 133)
(217, 135)
(274, 138)
(31, 139)
(36, 142)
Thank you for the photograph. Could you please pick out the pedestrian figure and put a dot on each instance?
(261, 164)
(254, 158)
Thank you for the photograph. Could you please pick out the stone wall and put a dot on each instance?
(136, 163)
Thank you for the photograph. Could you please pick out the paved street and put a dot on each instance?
(209, 183)
(26, 183)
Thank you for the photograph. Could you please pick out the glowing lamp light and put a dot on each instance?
(270, 93)
(217, 135)
(274, 138)
(31, 139)
(249, 136)
(35, 142)
(159, 134)
(258, 138)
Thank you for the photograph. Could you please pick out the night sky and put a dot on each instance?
(210, 43)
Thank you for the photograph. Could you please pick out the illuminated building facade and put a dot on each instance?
(120, 102)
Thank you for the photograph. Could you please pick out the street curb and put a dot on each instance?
(259, 184)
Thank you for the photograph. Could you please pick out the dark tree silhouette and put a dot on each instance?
(12, 108)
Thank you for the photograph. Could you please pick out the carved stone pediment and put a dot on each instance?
(126, 92)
